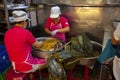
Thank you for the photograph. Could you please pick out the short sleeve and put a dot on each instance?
(64, 22)
(30, 38)
(117, 33)
(48, 22)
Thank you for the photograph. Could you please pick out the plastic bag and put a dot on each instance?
(55, 68)
(82, 43)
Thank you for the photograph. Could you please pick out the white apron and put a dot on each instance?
(116, 68)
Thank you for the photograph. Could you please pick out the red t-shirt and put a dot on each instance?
(62, 20)
(61, 24)
(18, 42)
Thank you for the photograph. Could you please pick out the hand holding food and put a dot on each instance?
(51, 44)
(40, 42)
(54, 32)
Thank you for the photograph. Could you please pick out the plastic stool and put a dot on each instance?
(44, 72)
(70, 75)
(12, 75)
(86, 74)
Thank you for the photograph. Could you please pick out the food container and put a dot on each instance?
(59, 45)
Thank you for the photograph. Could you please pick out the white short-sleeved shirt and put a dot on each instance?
(117, 33)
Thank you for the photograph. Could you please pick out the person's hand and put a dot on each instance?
(53, 33)
(40, 42)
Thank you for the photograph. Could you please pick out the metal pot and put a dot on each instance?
(61, 44)
(91, 60)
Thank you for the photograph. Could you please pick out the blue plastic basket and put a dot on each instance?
(2, 76)
(2, 48)
(4, 59)
(4, 67)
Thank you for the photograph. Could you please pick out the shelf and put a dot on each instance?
(19, 7)
(2, 8)
(1, 33)
(6, 8)
(2, 21)
(1, 5)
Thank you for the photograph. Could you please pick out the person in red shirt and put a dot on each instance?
(19, 42)
(57, 25)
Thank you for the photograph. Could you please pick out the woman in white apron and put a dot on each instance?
(116, 61)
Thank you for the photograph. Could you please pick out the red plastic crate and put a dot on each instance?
(12, 75)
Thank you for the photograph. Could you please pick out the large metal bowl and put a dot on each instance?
(61, 44)
(91, 60)
(88, 61)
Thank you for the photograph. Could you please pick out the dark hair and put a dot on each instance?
(20, 22)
